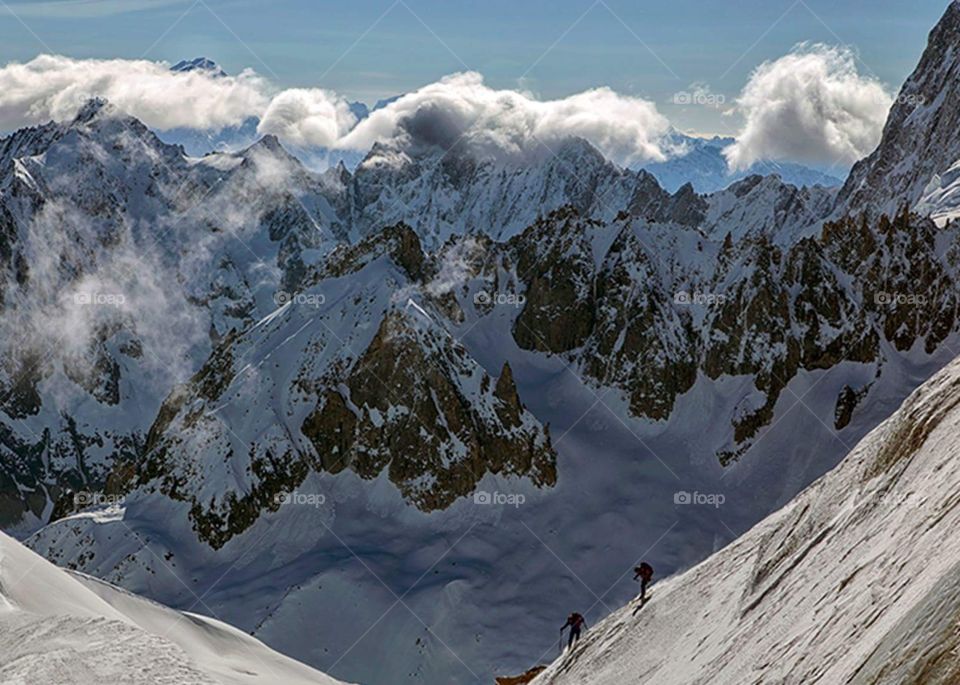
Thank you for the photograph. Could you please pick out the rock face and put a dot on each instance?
(468, 433)
(920, 145)
(666, 303)
(363, 381)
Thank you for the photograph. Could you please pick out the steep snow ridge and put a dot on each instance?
(941, 197)
(61, 627)
(855, 581)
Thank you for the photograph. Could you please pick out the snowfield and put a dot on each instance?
(855, 581)
(61, 628)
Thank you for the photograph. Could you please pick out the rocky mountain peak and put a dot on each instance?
(269, 143)
(199, 64)
(93, 108)
(579, 149)
(920, 142)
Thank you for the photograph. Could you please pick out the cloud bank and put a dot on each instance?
(54, 87)
(462, 108)
(458, 107)
(809, 106)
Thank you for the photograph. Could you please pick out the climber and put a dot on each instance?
(575, 621)
(645, 573)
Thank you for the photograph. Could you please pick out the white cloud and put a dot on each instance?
(54, 87)
(461, 107)
(308, 117)
(810, 106)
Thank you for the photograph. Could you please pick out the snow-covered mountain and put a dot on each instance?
(199, 142)
(124, 263)
(855, 581)
(71, 629)
(203, 64)
(364, 378)
(701, 163)
(397, 394)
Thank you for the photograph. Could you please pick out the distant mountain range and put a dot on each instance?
(702, 164)
(698, 161)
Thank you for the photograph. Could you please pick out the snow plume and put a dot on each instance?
(811, 106)
(458, 265)
(511, 124)
(81, 299)
(54, 87)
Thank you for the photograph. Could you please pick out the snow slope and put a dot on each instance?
(65, 628)
(855, 581)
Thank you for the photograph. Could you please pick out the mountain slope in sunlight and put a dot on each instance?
(66, 628)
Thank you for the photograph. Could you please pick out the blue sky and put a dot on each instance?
(368, 49)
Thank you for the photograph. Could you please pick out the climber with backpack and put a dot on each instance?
(643, 572)
(575, 622)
